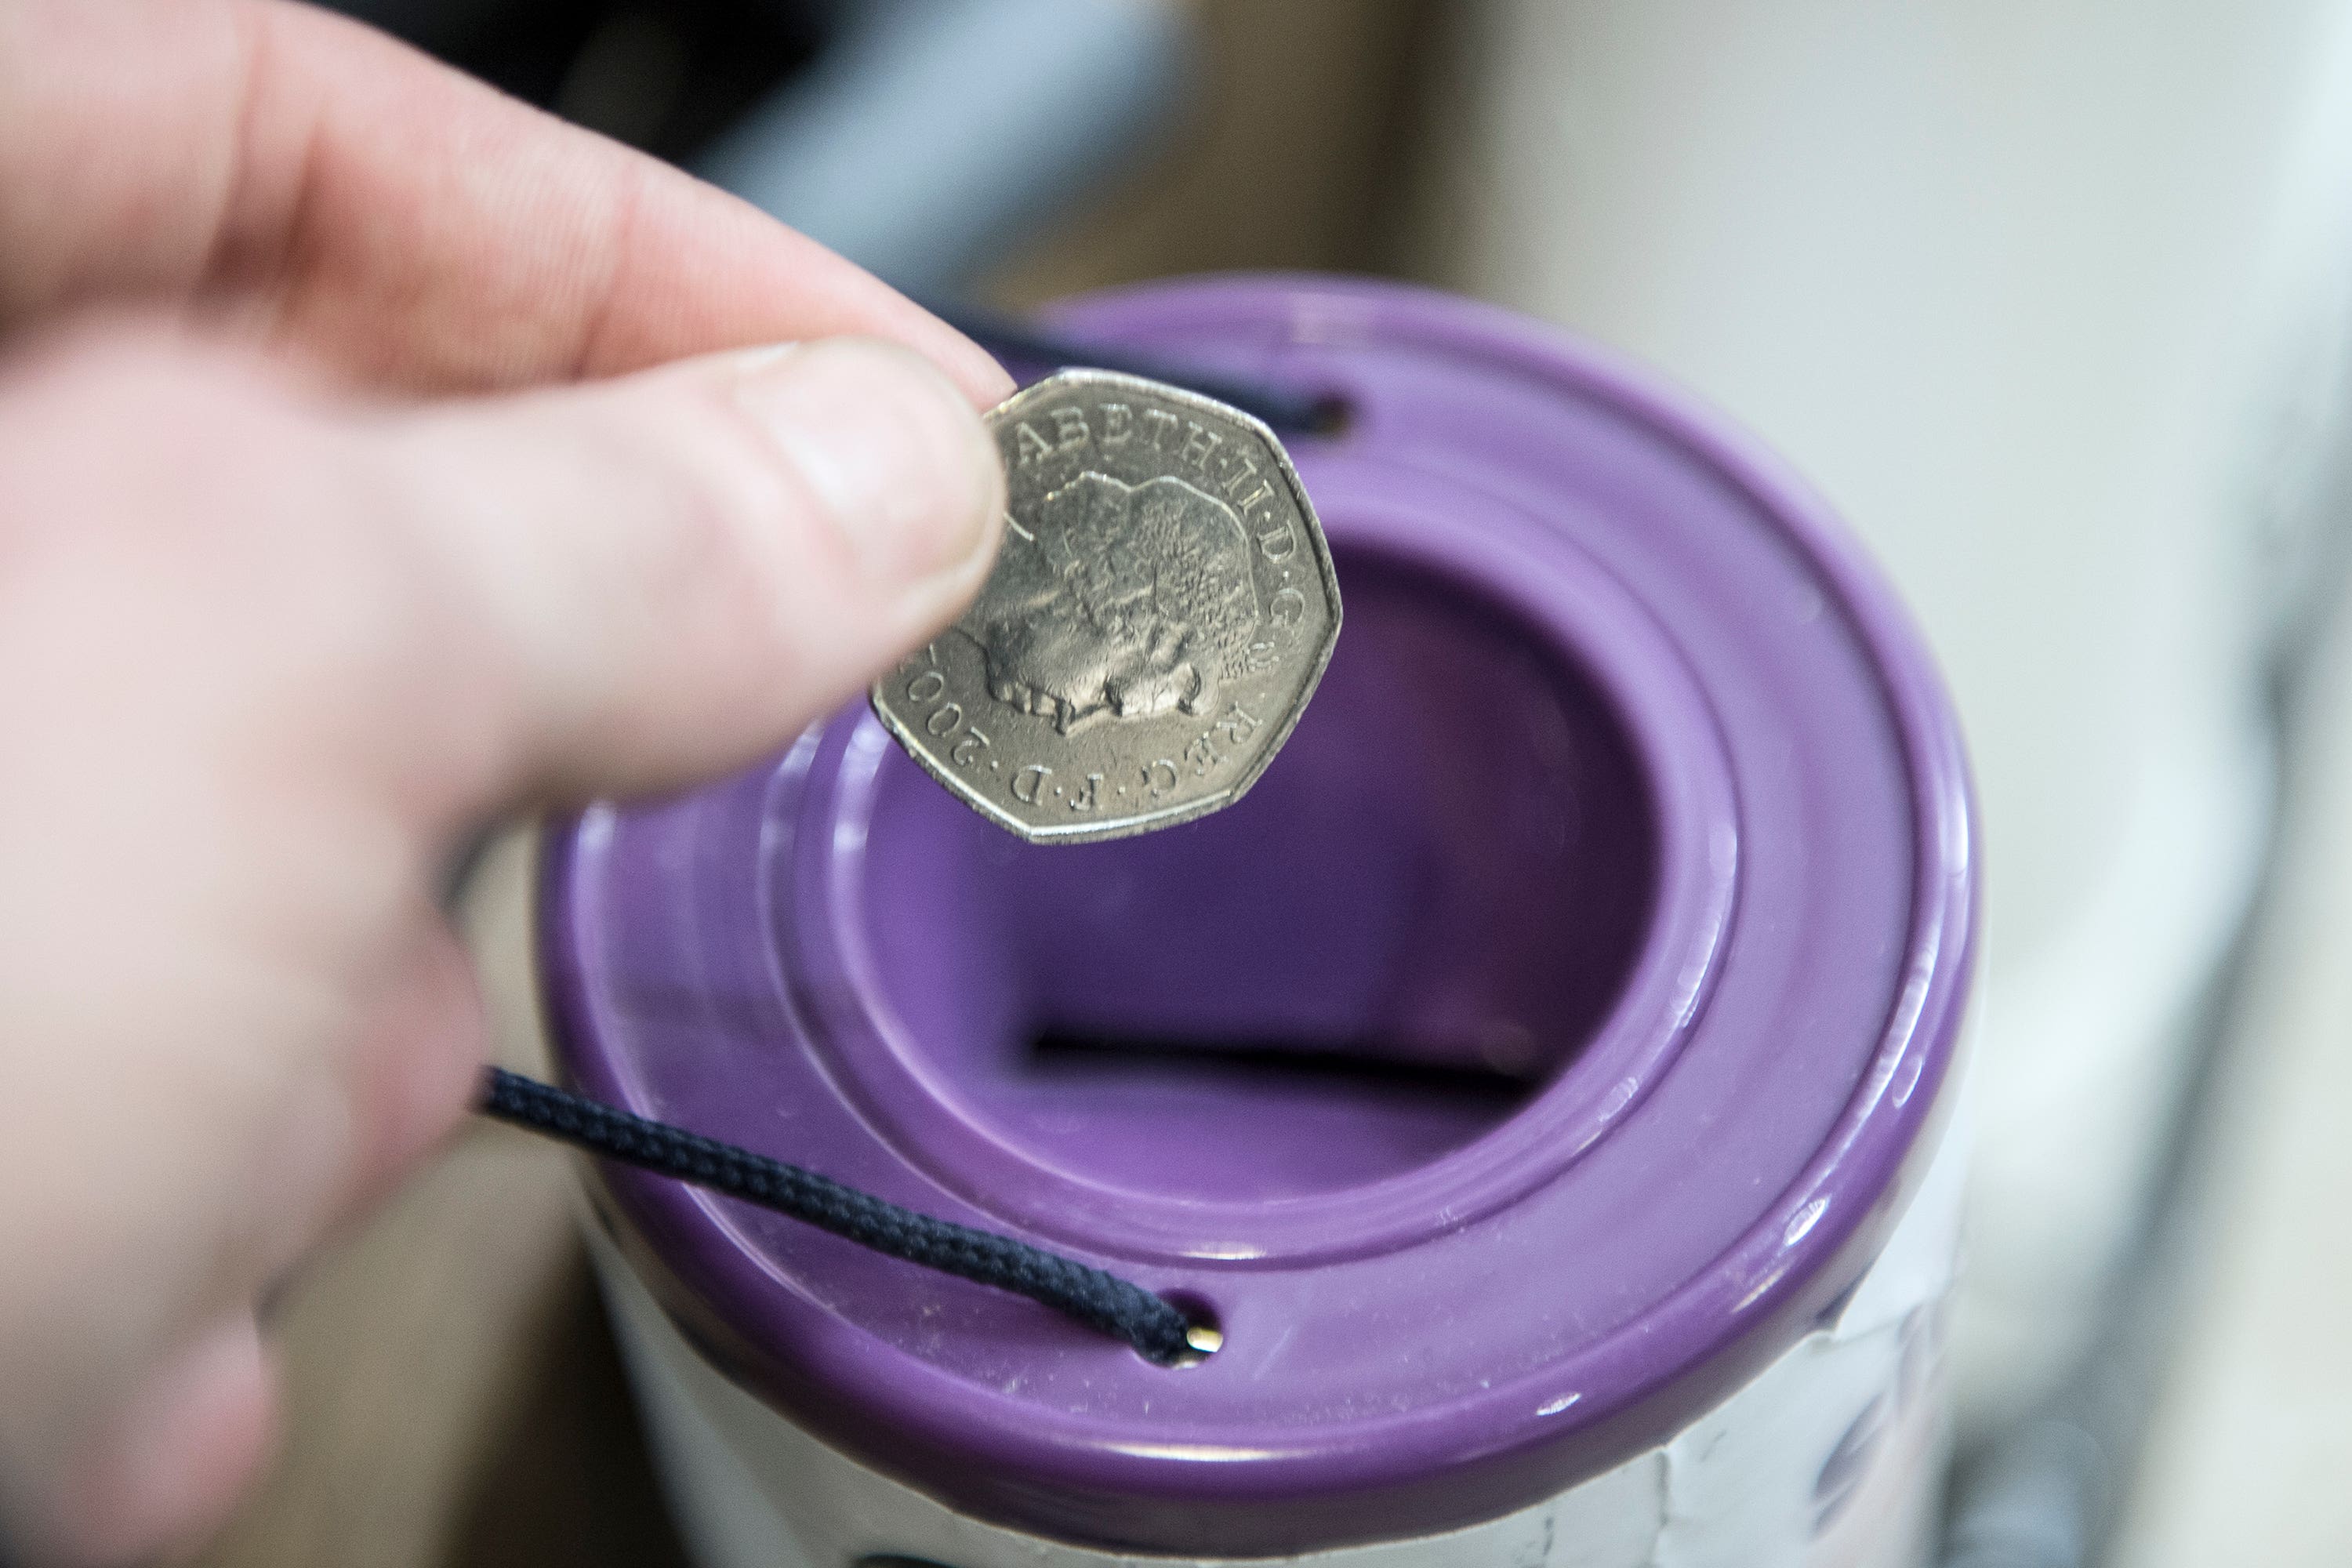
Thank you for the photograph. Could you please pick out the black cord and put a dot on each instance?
(1100, 1300)
(1017, 343)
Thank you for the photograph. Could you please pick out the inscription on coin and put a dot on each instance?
(1157, 616)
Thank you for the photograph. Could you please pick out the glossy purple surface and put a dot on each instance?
(1541, 1047)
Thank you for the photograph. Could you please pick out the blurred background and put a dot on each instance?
(2054, 299)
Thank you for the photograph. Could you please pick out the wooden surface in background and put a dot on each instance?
(1294, 154)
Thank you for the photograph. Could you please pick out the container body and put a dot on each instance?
(1540, 1076)
(1832, 1458)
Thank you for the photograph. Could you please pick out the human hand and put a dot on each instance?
(312, 557)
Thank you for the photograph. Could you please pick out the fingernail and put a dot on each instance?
(894, 455)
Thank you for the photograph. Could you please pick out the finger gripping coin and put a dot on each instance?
(1159, 611)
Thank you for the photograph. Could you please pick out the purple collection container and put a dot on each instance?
(1536, 1069)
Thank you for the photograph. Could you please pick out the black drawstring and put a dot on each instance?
(1100, 1300)
(1016, 342)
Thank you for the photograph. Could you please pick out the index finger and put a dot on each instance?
(355, 203)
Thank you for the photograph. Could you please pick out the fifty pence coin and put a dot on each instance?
(1160, 609)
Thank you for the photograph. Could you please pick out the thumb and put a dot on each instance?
(261, 649)
(667, 575)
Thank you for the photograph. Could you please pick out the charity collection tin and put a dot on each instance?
(1539, 1079)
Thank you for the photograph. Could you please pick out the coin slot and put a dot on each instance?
(1371, 1068)
(1408, 927)
(1508, 1074)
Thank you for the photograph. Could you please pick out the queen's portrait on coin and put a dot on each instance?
(1159, 609)
(1121, 600)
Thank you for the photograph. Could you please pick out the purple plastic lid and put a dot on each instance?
(1540, 1049)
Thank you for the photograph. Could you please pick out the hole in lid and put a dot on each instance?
(1203, 1333)
(1412, 923)
(1331, 416)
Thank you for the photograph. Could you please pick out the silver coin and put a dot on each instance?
(1158, 614)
